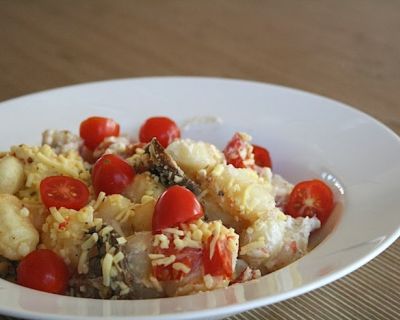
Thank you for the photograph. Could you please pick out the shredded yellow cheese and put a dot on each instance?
(106, 269)
(179, 266)
(164, 261)
(106, 230)
(161, 240)
(90, 242)
(121, 240)
(118, 257)
(83, 267)
(56, 215)
(99, 200)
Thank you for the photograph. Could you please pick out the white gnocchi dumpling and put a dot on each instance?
(193, 156)
(12, 176)
(240, 192)
(18, 236)
(275, 240)
(144, 184)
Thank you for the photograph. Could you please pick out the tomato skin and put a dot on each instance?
(311, 198)
(235, 150)
(43, 270)
(93, 130)
(220, 263)
(261, 156)
(162, 128)
(111, 174)
(63, 191)
(176, 205)
(190, 257)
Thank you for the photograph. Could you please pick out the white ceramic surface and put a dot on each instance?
(308, 136)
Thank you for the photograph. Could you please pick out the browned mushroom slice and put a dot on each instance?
(162, 165)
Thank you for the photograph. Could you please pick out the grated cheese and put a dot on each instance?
(99, 200)
(154, 256)
(124, 288)
(124, 214)
(164, 261)
(215, 233)
(186, 242)
(83, 267)
(155, 283)
(118, 257)
(161, 240)
(106, 269)
(112, 250)
(174, 231)
(60, 167)
(90, 242)
(56, 215)
(105, 231)
(113, 273)
(121, 240)
(197, 235)
(179, 266)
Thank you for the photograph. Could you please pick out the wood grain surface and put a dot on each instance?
(346, 50)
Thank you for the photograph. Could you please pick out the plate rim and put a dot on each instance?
(254, 303)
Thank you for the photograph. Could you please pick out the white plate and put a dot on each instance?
(308, 136)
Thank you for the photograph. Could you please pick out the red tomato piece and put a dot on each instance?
(176, 205)
(220, 263)
(236, 151)
(261, 157)
(93, 130)
(111, 174)
(43, 270)
(63, 191)
(162, 128)
(190, 257)
(310, 198)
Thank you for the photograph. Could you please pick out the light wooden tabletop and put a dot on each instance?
(346, 50)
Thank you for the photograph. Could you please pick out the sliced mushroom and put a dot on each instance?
(102, 270)
(160, 163)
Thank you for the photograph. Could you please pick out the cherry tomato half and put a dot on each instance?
(162, 128)
(111, 174)
(220, 263)
(43, 270)
(176, 205)
(261, 157)
(93, 130)
(63, 191)
(310, 198)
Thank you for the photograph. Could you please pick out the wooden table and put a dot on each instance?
(346, 50)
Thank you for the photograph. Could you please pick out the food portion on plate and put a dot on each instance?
(101, 215)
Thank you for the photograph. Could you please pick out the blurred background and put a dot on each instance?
(346, 50)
